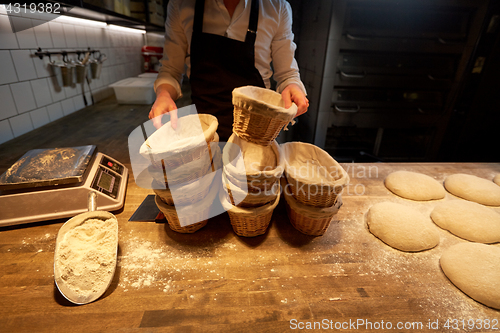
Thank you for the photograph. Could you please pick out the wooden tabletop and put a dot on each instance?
(215, 281)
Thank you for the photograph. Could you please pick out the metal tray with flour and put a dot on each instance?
(85, 256)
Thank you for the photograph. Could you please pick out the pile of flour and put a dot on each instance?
(87, 256)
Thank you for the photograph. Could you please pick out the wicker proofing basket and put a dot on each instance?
(237, 151)
(243, 198)
(175, 153)
(319, 186)
(309, 220)
(254, 186)
(188, 172)
(259, 114)
(199, 212)
(189, 193)
(249, 222)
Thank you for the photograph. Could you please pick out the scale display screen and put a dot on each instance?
(106, 182)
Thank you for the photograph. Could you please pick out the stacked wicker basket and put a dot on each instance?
(184, 179)
(312, 188)
(252, 159)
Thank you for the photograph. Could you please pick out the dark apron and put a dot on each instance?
(220, 64)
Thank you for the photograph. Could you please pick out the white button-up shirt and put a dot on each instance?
(274, 41)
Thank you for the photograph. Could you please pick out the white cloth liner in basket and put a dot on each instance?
(263, 101)
(248, 211)
(179, 174)
(312, 165)
(238, 154)
(241, 196)
(193, 131)
(181, 191)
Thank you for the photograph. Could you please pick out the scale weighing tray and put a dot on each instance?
(47, 184)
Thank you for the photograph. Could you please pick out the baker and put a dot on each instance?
(224, 44)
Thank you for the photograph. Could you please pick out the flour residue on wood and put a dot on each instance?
(151, 264)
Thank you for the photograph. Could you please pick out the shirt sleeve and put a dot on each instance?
(286, 69)
(174, 50)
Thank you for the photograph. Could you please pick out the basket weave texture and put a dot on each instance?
(192, 191)
(259, 114)
(313, 176)
(241, 197)
(309, 220)
(249, 222)
(200, 218)
(195, 215)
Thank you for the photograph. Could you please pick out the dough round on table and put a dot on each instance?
(402, 227)
(414, 186)
(473, 188)
(475, 269)
(468, 220)
(497, 179)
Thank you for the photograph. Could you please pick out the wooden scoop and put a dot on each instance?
(69, 293)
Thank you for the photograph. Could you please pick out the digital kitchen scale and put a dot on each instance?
(47, 184)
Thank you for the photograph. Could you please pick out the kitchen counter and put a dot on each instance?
(215, 281)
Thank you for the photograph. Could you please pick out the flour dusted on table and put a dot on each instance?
(87, 256)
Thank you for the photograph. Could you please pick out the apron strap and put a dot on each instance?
(199, 10)
(254, 18)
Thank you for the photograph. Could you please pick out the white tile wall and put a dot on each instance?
(5, 131)
(29, 96)
(39, 117)
(105, 76)
(23, 96)
(73, 90)
(91, 33)
(21, 124)
(25, 34)
(57, 32)
(81, 36)
(7, 70)
(8, 40)
(55, 111)
(47, 16)
(70, 35)
(41, 91)
(8, 107)
(56, 92)
(41, 66)
(68, 106)
(24, 65)
(42, 34)
(78, 102)
(101, 38)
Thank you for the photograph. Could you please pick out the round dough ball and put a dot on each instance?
(475, 269)
(497, 179)
(402, 227)
(414, 186)
(468, 220)
(473, 188)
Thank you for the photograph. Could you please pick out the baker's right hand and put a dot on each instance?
(164, 103)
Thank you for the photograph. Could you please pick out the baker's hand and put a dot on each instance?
(164, 103)
(293, 93)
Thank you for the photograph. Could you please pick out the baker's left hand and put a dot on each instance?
(293, 94)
